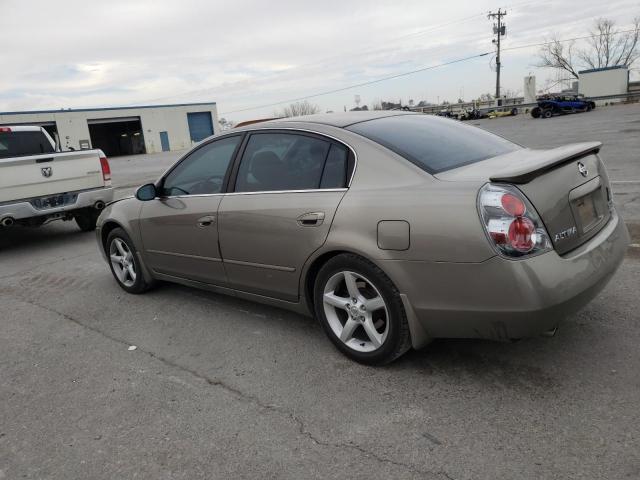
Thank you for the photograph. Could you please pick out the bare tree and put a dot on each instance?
(299, 108)
(555, 54)
(607, 47)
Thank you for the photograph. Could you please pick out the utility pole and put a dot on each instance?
(499, 29)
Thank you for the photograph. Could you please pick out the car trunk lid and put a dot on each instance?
(567, 185)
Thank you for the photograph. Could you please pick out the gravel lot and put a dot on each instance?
(222, 388)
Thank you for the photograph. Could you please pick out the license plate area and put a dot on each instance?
(589, 205)
(54, 201)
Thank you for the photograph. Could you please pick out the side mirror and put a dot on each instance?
(146, 192)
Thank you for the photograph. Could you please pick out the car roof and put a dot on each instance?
(340, 120)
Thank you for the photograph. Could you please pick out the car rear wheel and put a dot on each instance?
(360, 310)
(547, 113)
(124, 263)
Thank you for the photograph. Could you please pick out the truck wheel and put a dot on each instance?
(87, 220)
(547, 113)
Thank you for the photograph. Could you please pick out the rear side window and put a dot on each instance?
(432, 143)
(16, 144)
(283, 161)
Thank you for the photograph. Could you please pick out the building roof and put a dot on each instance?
(603, 69)
(101, 109)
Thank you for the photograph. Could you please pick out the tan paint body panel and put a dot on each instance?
(263, 244)
(452, 282)
(175, 244)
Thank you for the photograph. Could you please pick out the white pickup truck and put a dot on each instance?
(39, 184)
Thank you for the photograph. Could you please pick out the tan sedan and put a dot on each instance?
(391, 228)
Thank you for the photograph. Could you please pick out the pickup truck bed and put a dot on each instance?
(39, 187)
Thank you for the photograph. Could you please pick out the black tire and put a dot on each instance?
(535, 112)
(588, 109)
(140, 285)
(398, 338)
(547, 114)
(514, 111)
(87, 220)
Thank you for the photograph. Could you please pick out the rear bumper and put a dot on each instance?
(505, 299)
(86, 198)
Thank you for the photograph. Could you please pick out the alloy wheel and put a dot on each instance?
(122, 262)
(356, 311)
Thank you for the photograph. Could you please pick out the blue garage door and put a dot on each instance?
(200, 125)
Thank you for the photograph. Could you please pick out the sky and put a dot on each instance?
(252, 56)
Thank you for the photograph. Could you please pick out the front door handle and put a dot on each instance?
(206, 221)
(312, 219)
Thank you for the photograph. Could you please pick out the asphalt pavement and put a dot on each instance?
(218, 387)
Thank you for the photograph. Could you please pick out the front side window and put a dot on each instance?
(203, 171)
(283, 161)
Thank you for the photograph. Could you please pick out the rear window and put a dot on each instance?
(432, 143)
(15, 144)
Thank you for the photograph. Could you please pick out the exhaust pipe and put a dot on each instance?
(7, 222)
(99, 205)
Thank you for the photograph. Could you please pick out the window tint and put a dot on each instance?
(434, 144)
(203, 171)
(15, 144)
(335, 170)
(282, 161)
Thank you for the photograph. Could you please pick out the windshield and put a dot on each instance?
(434, 144)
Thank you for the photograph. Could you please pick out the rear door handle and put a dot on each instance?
(313, 219)
(206, 221)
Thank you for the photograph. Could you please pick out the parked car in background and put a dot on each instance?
(505, 112)
(392, 228)
(550, 105)
(39, 184)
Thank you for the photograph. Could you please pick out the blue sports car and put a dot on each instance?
(550, 105)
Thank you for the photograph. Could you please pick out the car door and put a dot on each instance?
(286, 188)
(179, 228)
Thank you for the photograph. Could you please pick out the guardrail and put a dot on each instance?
(508, 105)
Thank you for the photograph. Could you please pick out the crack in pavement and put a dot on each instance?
(302, 429)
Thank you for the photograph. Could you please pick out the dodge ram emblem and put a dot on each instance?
(582, 169)
(46, 172)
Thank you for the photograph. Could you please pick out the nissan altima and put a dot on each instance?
(391, 228)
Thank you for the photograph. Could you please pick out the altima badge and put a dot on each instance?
(566, 233)
(46, 172)
(582, 169)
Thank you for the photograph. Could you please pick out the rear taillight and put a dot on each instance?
(511, 222)
(5, 129)
(106, 170)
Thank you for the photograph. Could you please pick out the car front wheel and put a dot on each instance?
(124, 263)
(360, 310)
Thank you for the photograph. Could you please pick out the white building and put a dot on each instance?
(600, 82)
(125, 130)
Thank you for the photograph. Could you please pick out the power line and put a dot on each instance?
(363, 84)
(404, 74)
(357, 52)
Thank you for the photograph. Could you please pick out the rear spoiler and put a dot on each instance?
(540, 161)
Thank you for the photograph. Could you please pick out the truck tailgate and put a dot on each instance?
(47, 174)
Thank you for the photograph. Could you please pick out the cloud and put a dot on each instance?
(252, 52)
